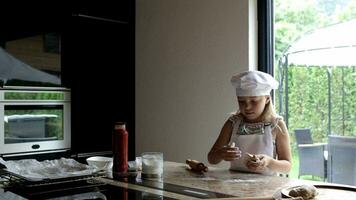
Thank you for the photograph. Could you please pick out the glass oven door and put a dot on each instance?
(29, 123)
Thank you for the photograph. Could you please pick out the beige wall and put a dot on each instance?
(186, 53)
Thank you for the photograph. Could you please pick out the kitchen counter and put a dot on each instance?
(179, 183)
(218, 183)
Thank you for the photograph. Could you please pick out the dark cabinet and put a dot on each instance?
(98, 66)
(120, 11)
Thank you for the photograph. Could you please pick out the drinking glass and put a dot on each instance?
(152, 165)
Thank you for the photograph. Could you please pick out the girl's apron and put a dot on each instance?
(253, 143)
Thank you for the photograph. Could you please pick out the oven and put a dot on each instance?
(34, 120)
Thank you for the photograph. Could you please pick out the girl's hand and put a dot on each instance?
(229, 153)
(260, 164)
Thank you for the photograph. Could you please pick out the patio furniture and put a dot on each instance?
(342, 159)
(312, 159)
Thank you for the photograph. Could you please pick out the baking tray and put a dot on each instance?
(16, 179)
(30, 170)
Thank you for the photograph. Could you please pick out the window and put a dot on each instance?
(310, 47)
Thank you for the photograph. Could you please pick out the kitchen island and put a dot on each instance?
(177, 183)
(221, 183)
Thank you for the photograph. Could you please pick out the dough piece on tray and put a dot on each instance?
(305, 191)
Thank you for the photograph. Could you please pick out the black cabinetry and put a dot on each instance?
(98, 66)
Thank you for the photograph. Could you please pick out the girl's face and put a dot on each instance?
(252, 107)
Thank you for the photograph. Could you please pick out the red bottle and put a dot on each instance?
(120, 150)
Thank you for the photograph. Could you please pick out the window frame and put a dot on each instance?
(265, 16)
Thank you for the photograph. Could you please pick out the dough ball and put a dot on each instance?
(304, 191)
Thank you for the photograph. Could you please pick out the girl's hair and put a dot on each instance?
(268, 115)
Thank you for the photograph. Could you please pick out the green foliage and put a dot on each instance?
(348, 13)
(309, 100)
(344, 101)
(293, 20)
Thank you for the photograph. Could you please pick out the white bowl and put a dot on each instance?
(99, 162)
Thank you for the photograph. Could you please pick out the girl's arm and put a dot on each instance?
(220, 151)
(284, 162)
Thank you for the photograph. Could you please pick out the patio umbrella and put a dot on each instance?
(334, 45)
(331, 46)
(12, 68)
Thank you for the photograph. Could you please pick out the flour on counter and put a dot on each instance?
(240, 181)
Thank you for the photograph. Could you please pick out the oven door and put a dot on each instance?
(31, 126)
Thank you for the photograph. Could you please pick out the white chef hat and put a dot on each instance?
(253, 83)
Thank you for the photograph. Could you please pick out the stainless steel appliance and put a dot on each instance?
(34, 120)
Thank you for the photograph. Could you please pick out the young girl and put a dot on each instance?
(255, 138)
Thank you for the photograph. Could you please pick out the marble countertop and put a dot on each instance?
(225, 181)
(221, 180)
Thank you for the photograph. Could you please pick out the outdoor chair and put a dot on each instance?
(342, 160)
(312, 156)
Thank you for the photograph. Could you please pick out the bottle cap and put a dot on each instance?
(120, 125)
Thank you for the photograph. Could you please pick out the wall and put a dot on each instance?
(186, 53)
